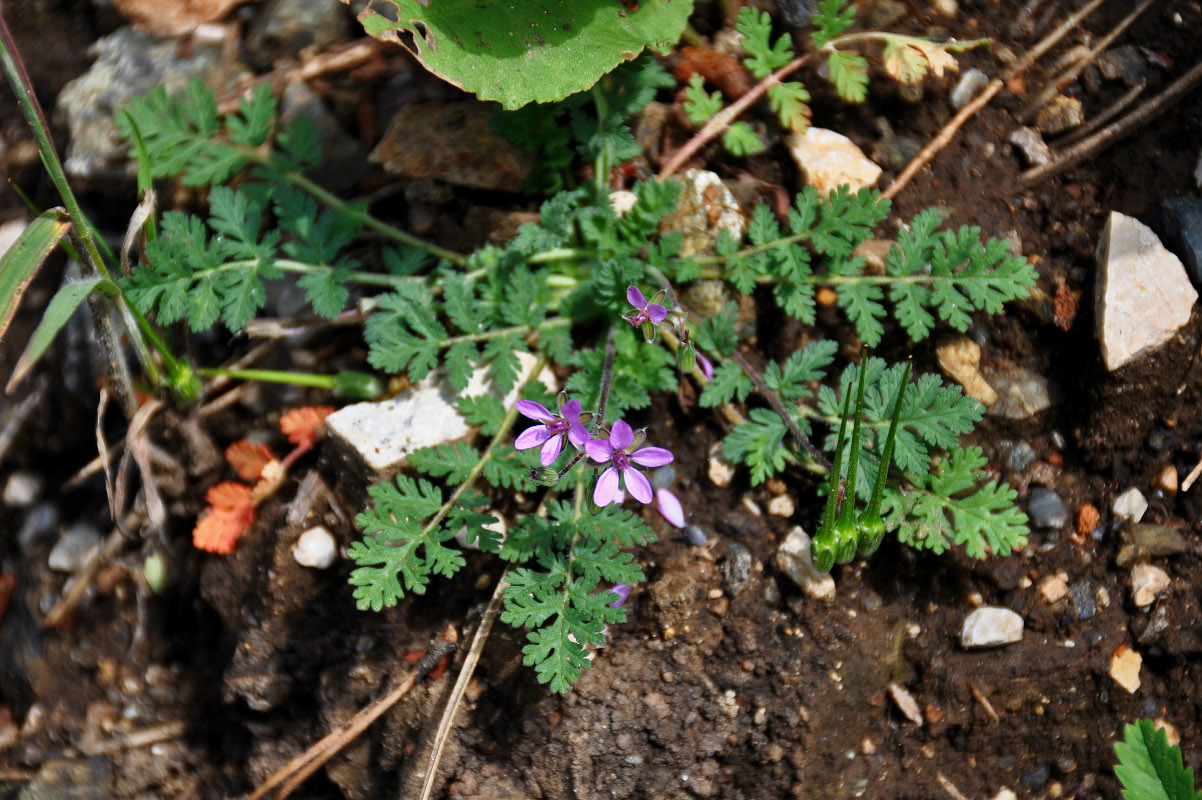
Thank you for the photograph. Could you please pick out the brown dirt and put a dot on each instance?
(742, 697)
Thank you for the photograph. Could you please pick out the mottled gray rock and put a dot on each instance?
(1178, 223)
(1146, 541)
(736, 568)
(1124, 64)
(74, 548)
(1034, 149)
(1046, 509)
(706, 209)
(71, 779)
(1143, 294)
(793, 558)
(343, 160)
(128, 64)
(694, 536)
(990, 626)
(663, 477)
(285, 27)
(1016, 455)
(1021, 394)
(971, 82)
(797, 12)
(1083, 600)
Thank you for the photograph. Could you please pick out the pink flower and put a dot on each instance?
(669, 507)
(647, 312)
(622, 470)
(707, 367)
(554, 427)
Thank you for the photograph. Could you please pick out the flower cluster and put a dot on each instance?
(648, 314)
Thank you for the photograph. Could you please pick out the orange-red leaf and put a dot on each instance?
(248, 458)
(230, 514)
(304, 426)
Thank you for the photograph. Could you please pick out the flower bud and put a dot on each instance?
(544, 476)
(686, 358)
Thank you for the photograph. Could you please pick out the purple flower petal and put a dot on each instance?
(570, 410)
(620, 496)
(551, 450)
(599, 450)
(620, 436)
(607, 486)
(707, 368)
(533, 410)
(622, 590)
(637, 484)
(532, 437)
(635, 298)
(669, 507)
(656, 312)
(577, 434)
(652, 457)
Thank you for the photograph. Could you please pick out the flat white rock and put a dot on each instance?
(384, 434)
(1147, 581)
(990, 626)
(316, 548)
(793, 558)
(1143, 292)
(1130, 505)
(830, 160)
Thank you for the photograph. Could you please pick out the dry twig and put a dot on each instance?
(20, 415)
(336, 59)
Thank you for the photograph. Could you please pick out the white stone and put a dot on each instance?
(906, 703)
(830, 160)
(74, 548)
(22, 490)
(622, 201)
(316, 548)
(721, 473)
(990, 626)
(1130, 505)
(793, 558)
(385, 433)
(781, 506)
(1143, 293)
(1053, 588)
(706, 209)
(1005, 794)
(1124, 668)
(1147, 581)
(971, 82)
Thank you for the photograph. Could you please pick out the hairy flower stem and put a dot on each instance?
(607, 374)
(777, 406)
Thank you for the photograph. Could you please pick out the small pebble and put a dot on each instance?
(960, 360)
(991, 626)
(316, 548)
(663, 477)
(1170, 731)
(793, 558)
(1149, 541)
(736, 568)
(1005, 794)
(1088, 517)
(1034, 149)
(971, 82)
(1046, 509)
(1147, 581)
(1130, 505)
(1083, 600)
(1053, 588)
(1124, 668)
(1035, 780)
(73, 549)
(1168, 479)
(771, 591)
(22, 490)
(781, 506)
(906, 703)
(775, 486)
(1017, 456)
(720, 472)
(694, 536)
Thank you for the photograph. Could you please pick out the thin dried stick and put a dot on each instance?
(147, 736)
(338, 59)
(984, 701)
(20, 415)
(1193, 476)
(83, 579)
(465, 676)
(948, 132)
(1116, 130)
(296, 771)
(1070, 74)
(774, 401)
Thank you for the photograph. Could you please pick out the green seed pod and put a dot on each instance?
(155, 570)
(822, 551)
(357, 385)
(686, 358)
(544, 476)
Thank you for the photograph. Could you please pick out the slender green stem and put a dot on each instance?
(604, 159)
(333, 201)
(607, 374)
(314, 380)
(478, 467)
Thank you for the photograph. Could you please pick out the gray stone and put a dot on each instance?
(1021, 394)
(128, 64)
(1158, 623)
(73, 549)
(1016, 455)
(797, 12)
(793, 559)
(884, 13)
(736, 568)
(1046, 509)
(1143, 294)
(1034, 149)
(39, 521)
(971, 82)
(343, 160)
(1178, 223)
(991, 626)
(663, 477)
(1124, 64)
(706, 209)
(1146, 541)
(22, 489)
(694, 536)
(285, 27)
(1083, 600)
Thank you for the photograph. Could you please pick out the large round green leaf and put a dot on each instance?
(523, 51)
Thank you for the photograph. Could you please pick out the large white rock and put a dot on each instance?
(830, 160)
(706, 209)
(990, 626)
(384, 434)
(1143, 292)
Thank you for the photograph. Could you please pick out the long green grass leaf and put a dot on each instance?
(25, 257)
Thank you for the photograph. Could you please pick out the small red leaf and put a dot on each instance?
(229, 515)
(248, 458)
(304, 426)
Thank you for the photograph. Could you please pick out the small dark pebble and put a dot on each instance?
(1158, 623)
(663, 477)
(1083, 599)
(1161, 439)
(694, 536)
(736, 568)
(1035, 779)
(1066, 765)
(1093, 638)
(1046, 509)
(1017, 456)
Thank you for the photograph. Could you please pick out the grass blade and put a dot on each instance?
(61, 307)
(25, 257)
